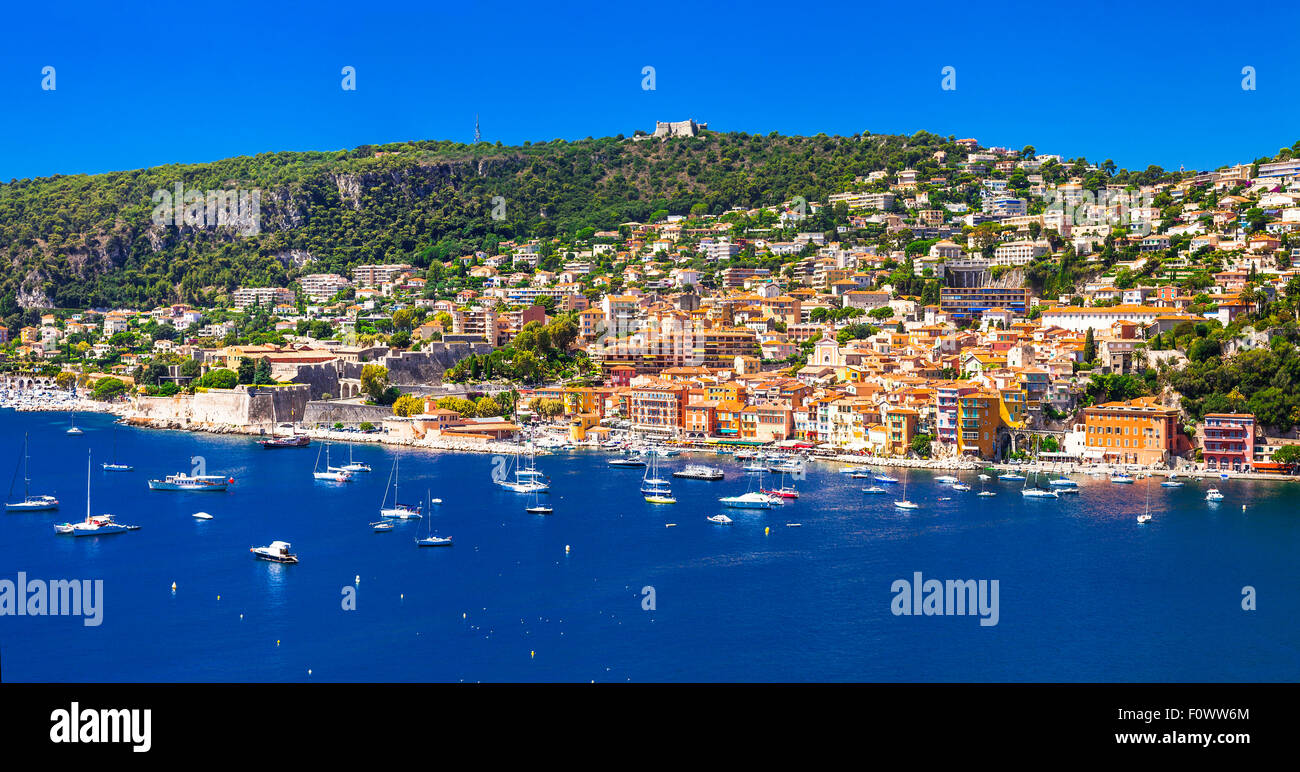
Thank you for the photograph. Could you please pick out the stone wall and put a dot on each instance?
(243, 408)
(420, 367)
(350, 414)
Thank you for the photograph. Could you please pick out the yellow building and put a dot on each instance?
(979, 416)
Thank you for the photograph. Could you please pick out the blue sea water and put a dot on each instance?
(1086, 593)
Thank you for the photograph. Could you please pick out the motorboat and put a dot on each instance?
(874, 489)
(755, 468)
(945, 478)
(1063, 482)
(1012, 477)
(961, 487)
(434, 541)
(985, 477)
(1171, 483)
(986, 493)
(1121, 479)
(382, 526)
(884, 478)
(1144, 518)
(719, 519)
(700, 472)
(276, 551)
(1213, 494)
(626, 462)
(201, 516)
(751, 500)
(185, 482)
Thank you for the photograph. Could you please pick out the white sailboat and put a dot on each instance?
(905, 503)
(73, 429)
(1036, 492)
(98, 525)
(430, 539)
(397, 510)
(29, 502)
(353, 465)
(331, 474)
(113, 466)
(656, 489)
(524, 479)
(1145, 517)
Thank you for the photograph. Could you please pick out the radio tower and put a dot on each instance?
(476, 134)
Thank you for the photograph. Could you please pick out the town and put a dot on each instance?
(983, 305)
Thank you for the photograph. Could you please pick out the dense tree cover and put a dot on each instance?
(218, 379)
(539, 352)
(107, 389)
(88, 240)
(1263, 381)
(407, 405)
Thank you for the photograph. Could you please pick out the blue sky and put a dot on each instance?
(1136, 83)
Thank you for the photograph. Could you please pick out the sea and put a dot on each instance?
(610, 588)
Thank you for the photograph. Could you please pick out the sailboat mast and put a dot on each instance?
(27, 479)
(87, 485)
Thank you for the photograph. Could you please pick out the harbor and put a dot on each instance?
(567, 585)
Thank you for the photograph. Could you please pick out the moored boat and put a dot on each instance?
(185, 482)
(276, 552)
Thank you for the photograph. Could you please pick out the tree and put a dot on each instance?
(218, 379)
(465, 407)
(191, 368)
(407, 405)
(1287, 454)
(1089, 347)
(107, 389)
(921, 445)
(487, 408)
(65, 379)
(247, 370)
(374, 382)
(262, 373)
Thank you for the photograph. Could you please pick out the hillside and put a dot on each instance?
(88, 240)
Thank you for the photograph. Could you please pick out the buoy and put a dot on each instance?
(308, 671)
(566, 549)
(403, 596)
(218, 597)
(241, 616)
(532, 654)
(357, 580)
(173, 587)
(767, 530)
(277, 641)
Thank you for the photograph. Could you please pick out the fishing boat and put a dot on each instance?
(73, 429)
(905, 503)
(276, 552)
(30, 502)
(331, 474)
(277, 443)
(720, 519)
(114, 466)
(700, 472)
(1213, 494)
(353, 465)
(397, 510)
(97, 525)
(430, 539)
(185, 482)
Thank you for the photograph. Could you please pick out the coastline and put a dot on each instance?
(125, 414)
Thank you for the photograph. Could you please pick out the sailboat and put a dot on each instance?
(98, 525)
(537, 507)
(784, 491)
(750, 499)
(656, 489)
(113, 466)
(430, 540)
(984, 490)
(73, 429)
(1145, 517)
(331, 474)
(525, 479)
(1036, 492)
(354, 466)
(905, 503)
(29, 503)
(397, 510)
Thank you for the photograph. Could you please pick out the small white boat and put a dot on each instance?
(1121, 479)
(1171, 483)
(945, 478)
(874, 489)
(434, 541)
(276, 552)
(749, 500)
(382, 526)
(202, 516)
(1144, 518)
(1063, 482)
(986, 493)
(1012, 477)
(1213, 494)
(884, 478)
(73, 429)
(985, 477)
(539, 509)
(961, 487)
(1038, 493)
(397, 510)
(660, 498)
(719, 519)
(905, 504)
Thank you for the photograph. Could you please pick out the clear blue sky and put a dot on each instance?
(183, 82)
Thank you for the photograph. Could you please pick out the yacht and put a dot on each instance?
(353, 465)
(755, 468)
(30, 503)
(1121, 478)
(277, 443)
(905, 503)
(874, 489)
(113, 466)
(1011, 477)
(700, 472)
(945, 478)
(986, 493)
(276, 551)
(397, 510)
(1063, 482)
(961, 487)
(1144, 518)
(626, 461)
(97, 525)
(430, 539)
(1036, 492)
(73, 429)
(1213, 494)
(656, 489)
(1172, 482)
(331, 474)
(184, 482)
(985, 478)
(751, 500)
(382, 526)
(884, 478)
(719, 519)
